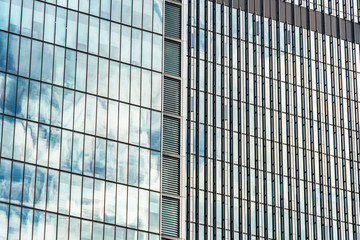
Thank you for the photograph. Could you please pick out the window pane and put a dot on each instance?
(5, 177)
(16, 182)
(122, 163)
(132, 215)
(40, 193)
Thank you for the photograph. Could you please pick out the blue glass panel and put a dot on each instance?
(126, 12)
(116, 10)
(48, 57)
(75, 205)
(54, 155)
(5, 177)
(51, 222)
(16, 183)
(98, 230)
(145, 128)
(120, 233)
(94, 7)
(154, 212)
(4, 14)
(86, 230)
(157, 53)
(64, 193)
(52, 190)
(122, 163)
(83, 32)
(135, 85)
(125, 83)
(4, 216)
(78, 153)
(7, 140)
(43, 145)
(115, 41)
(24, 62)
(103, 77)
(146, 50)
(10, 95)
(79, 111)
(143, 218)
(34, 95)
(133, 166)
(124, 122)
(99, 188)
(113, 120)
(145, 86)
(2, 92)
(111, 155)
(63, 228)
(134, 125)
(29, 186)
(131, 234)
(109, 232)
(14, 222)
(104, 38)
(39, 225)
(147, 15)
(49, 23)
(132, 208)
(60, 26)
(3, 50)
(137, 13)
(158, 16)
(38, 20)
(105, 9)
(68, 109)
(144, 175)
(87, 198)
(45, 99)
(40, 193)
(22, 97)
(56, 106)
(73, 4)
(13, 54)
(31, 142)
(70, 60)
(62, 3)
(100, 158)
(66, 150)
(94, 33)
(81, 62)
(26, 223)
(36, 59)
(59, 66)
(74, 231)
(19, 141)
(125, 43)
(89, 153)
(92, 74)
(155, 130)
(110, 196)
(84, 5)
(72, 20)
(15, 16)
(155, 171)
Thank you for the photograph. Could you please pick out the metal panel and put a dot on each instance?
(171, 175)
(172, 20)
(172, 57)
(170, 217)
(171, 135)
(172, 96)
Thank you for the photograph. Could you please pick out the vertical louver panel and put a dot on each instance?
(170, 217)
(172, 57)
(172, 96)
(171, 135)
(172, 20)
(170, 175)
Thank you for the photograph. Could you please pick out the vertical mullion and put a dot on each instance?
(214, 125)
(223, 209)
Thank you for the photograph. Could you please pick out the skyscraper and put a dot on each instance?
(273, 127)
(175, 119)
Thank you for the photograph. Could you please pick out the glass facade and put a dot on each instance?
(80, 119)
(273, 148)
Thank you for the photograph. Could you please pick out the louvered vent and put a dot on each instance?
(172, 96)
(170, 175)
(170, 217)
(172, 20)
(172, 57)
(171, 135)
